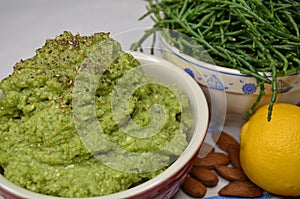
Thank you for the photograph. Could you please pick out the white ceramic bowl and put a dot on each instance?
(240, 89)
(167, 183)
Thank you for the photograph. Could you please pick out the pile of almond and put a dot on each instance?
(206, 172)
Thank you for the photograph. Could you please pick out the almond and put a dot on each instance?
(212, 160)
(204, 175)
(226, 141)
(206, 149)
(241, 189)
(193, 187)
(231, 174)
(234, 156)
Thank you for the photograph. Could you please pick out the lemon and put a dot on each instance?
(270, 151)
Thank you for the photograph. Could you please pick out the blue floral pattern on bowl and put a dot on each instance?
(222, 79)
(283, 86)
(249, 88)
(190, 72)
(241, 89)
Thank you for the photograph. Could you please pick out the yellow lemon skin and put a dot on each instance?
(270, 151)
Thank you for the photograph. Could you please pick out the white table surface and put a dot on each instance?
(26, 24)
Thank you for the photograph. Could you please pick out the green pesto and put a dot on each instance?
(41, 149)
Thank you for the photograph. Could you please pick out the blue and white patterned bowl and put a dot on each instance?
(240, 89)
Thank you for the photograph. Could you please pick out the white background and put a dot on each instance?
(26, 24)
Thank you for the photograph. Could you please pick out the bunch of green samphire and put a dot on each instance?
(255, 37)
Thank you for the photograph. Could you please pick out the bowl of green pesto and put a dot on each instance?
(84, 119)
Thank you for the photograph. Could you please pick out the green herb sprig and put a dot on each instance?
(253, 36)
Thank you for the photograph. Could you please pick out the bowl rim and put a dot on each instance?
(200, 130)
(208, 66)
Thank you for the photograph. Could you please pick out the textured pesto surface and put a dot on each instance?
(41, 149)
